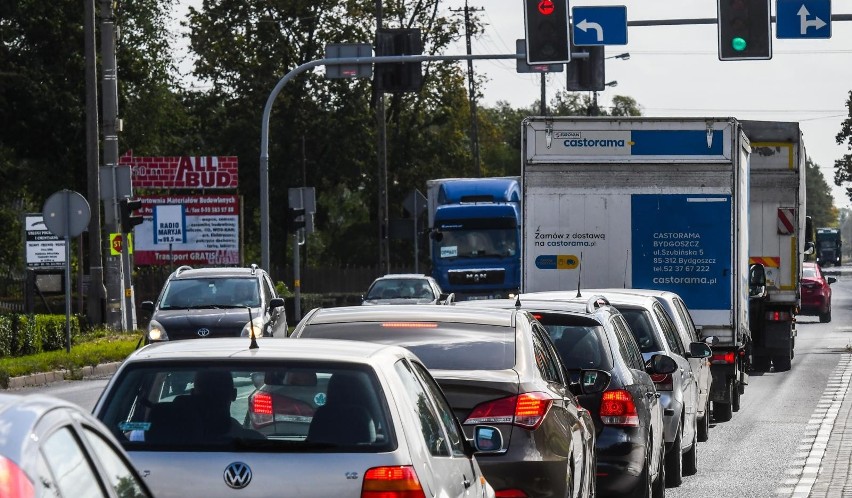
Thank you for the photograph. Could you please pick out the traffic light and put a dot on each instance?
(546, 27)
(397, 77)
(295, 219)
(128, 219)
(745, 31)
(587, 74)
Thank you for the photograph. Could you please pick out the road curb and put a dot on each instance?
(42, 378)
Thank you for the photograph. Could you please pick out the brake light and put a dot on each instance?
(266, 408)
(261, 409)
(409, 325)
(391, 482)
(728, 358)
(779, 316)
(13, 481)
(526, 410)
(510, 493)
(618, 408)
(663, 382)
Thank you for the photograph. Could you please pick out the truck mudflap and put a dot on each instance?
(773, 340)
(729, 381)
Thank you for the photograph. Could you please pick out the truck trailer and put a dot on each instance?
(778, 239)
(475, 236)
(652, 203)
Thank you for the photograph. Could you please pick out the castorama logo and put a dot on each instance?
(595, 140)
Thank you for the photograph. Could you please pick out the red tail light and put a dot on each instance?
(525, 410)
(723, 358)
(391, 482)
(266, 408)
(510, 493)
(13, 482)
(618, 408)
(664, 382)
(779, 316)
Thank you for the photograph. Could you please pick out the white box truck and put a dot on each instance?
(654, 203)
(778, 239)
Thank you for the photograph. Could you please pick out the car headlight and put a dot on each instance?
(257, 323)
(156, 332)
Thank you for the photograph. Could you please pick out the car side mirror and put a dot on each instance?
(700, 350)
(661, 364)
(436, 235)
(591, 381)
(447, 298)
(711, 340)
(809, 248)
(276, 302)
(487, 439)
(831, 280)
(147, 306)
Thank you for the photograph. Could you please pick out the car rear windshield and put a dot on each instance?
(401, 288)
(642, 328)
(211, 293)
(298, 407)
(440, 345)
(578, 340)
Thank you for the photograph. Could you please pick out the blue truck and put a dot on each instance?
(475, 236)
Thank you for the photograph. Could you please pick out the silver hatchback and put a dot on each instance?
(305, 418)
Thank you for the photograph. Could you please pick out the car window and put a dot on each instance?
(121, 478)
(439, 345)
(211, 293)
(545, 362)
(401, 288)
(72, 472)
(686, 318)
(430, 428)
(642, 328)
(445, 413)
(672, 338)
(267, 288)
(628, 349)
(280, 406)
(577, 341)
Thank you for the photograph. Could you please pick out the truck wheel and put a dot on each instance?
(760, 363)
(735, 399)
(674, 462)
(704, 424)
(722, 411)
(782, 363)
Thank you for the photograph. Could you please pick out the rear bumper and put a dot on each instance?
(621, 458)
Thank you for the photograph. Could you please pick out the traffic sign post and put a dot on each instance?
(803, 19)
(606, 25)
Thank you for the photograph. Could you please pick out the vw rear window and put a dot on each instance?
(440, 345)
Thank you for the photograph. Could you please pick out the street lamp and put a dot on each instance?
(610, 84)
(625, 56)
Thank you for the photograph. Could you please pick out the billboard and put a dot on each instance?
(183, 172)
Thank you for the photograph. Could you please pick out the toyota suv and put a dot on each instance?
(197, 303)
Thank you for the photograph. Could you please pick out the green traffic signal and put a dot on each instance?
(738, 44)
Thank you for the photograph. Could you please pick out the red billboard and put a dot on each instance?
(182, 172)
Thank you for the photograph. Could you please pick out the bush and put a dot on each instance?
(7, 335)
(22, 335)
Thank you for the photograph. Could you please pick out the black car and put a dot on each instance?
(215, 302)
(592, 334)
(496, 367)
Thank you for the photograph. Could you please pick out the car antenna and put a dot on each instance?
(253, 343)
(579, 274)
(518, 300)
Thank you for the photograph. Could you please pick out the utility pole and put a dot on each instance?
(379, 98)
(109, 94)
(95, 297)
(544, 94)
(471, 89)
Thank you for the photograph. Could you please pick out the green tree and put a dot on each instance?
(820, 202)
(843, 166)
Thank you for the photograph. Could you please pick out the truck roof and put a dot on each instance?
(479, 190)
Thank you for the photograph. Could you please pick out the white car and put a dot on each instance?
(406, 288)
(307, 418)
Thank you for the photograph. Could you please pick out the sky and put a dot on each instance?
(675, 71)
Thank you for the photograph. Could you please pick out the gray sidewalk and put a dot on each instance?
(43, 378)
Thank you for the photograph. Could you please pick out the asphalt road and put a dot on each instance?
(759, 453)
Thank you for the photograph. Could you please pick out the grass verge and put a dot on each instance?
(101, 347)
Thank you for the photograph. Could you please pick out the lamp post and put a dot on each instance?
(595, 98)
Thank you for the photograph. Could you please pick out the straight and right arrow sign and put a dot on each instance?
(803, 19)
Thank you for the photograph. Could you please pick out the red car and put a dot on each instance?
(816, 292)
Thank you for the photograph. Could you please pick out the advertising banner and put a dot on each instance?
(43, 248)
(182, 172)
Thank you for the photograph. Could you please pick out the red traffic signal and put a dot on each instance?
(546, 27)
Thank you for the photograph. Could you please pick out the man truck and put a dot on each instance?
(654, 203)
(475, 236)
(778, 239)
(828, 247)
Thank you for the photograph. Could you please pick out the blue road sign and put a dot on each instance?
(600, 25)
(803, 19)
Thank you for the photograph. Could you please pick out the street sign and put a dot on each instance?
(116, 241)
(43, 248)
(170, 224)
(415, 203)
(346, 51)
(66, 213)
(604, 25)
(803, 19)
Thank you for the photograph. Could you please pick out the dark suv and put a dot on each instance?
(215, 302)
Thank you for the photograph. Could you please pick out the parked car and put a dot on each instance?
(656, 333)
(215, 302)
(816, 292)
(303, 418)
(405, 288)
(679, 314)
(591, 334)
(52, 447)
(497, 367)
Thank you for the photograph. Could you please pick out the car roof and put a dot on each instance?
(636, 292)
(268, 349)
(188, 273)
(413, 313)
(626, 298)
(404, 275)
(578, 306)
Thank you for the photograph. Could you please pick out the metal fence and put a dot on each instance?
(12, 291)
